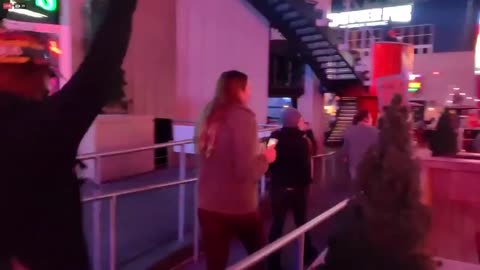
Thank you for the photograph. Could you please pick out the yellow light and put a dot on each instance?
(54, 47)
(414, 85)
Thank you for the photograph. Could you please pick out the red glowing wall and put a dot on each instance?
(390, 58)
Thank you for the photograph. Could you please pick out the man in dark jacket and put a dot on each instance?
(290, 179)
(40, 206)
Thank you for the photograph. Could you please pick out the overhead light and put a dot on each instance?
(477, 100)
(463, 94)
(436, 73)
(469, 98)
(431, 109)
(285, 106)
(451, 94)
(449, 101)
(456, 88)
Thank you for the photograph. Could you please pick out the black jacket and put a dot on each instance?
(292, 166)
(40, 206)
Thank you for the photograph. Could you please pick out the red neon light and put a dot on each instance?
(54, 47)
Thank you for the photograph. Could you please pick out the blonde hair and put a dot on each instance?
(228, 89)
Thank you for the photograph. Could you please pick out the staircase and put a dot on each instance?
(296, 20)
(345, 114)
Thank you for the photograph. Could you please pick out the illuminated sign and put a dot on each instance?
(48, 5)
(477, 52)
(414, 84)
(371, 17)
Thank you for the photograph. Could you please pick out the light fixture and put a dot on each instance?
(469, 98)
(449, 101)
(463, 94)
(54, 47)
(436, 73)
(431, 109)
(456, 88)
(477, 100)
(29, 13)
(451, 94)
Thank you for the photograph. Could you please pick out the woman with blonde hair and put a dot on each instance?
(231, 163)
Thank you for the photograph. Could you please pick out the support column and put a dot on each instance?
(311, 106)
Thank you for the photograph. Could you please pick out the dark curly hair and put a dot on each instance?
(397, 222)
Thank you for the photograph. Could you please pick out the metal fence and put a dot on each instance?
(113, 197)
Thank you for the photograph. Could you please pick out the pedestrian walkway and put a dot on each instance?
(147, 223)
(322, 197)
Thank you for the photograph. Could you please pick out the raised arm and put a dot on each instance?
(84, 95)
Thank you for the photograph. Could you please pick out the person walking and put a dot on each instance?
(357, 140)
(231, 163)
(290, 180)
(41, 227)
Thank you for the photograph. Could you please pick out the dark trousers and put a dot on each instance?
(284, 200)
(219, 229)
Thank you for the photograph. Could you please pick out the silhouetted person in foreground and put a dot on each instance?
(40, 205)
(385, 227)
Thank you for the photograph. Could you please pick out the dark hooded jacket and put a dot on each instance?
(40, 204)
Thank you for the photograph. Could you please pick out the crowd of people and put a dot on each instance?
(43, 225)
(384, 227)
(232, 160)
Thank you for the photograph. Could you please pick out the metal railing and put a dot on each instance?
(113, 197)
(298, 234)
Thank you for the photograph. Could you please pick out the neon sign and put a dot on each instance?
(477, 52)
(371, 17)
(48, 5)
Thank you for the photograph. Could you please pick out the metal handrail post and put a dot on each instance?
(324, 169)
(301, 252)
(181, 194)
(263, 186)
(333, 161)
(113, 233)
(196, 232)
(97, 235)
(96, 223)
(97, 169)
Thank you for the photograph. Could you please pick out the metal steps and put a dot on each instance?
(296, 21)
(345, 114)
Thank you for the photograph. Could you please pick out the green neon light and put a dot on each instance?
(48, 5)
